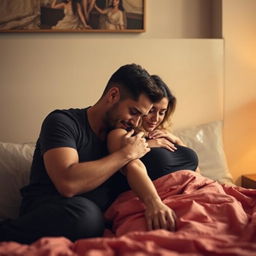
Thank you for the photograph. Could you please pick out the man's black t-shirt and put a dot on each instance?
(67, 128)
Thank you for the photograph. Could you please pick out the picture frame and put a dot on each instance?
(86, 16)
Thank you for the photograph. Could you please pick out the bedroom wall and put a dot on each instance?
(42, 74)
(45, 71)
(239, 26)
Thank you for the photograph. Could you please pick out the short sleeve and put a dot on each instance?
(58, 130)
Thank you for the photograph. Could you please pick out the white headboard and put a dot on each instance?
(40, 74)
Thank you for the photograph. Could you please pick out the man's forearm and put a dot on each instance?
(85, 176)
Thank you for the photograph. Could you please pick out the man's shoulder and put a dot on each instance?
(62, 119)
(67, 114)
(70, 111)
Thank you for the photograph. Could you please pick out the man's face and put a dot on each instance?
(127, 113)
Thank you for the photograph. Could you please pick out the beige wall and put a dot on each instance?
(239, 30)
(183, 19)
(43, 74)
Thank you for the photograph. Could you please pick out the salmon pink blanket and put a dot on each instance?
(213, 219)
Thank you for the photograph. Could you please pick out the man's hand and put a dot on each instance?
(159, 216)
(135, 145)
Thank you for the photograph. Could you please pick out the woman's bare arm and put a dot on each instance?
(101, 11)
(157, 214)
(57, 6)
(81, 16)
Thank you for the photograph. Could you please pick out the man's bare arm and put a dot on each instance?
(71, 177)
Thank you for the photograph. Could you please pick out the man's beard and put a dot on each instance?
(110, 120)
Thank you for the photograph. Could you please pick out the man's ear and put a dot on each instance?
(113, 95)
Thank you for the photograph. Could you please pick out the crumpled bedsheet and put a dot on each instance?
(213, 219)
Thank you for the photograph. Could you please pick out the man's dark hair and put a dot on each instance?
(133, 80)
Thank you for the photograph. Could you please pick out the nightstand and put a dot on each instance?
(249, 181)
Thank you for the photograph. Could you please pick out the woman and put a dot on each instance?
(160, 160)
(113, 18)
(87, 7)
(74, 17)
(168, 154)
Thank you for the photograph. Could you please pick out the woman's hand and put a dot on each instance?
(159, 216)
(156, 134)
(161, 143)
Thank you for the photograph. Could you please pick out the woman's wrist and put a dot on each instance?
(151, 201)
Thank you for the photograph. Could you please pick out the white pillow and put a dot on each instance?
(15, 163)
(206, 140)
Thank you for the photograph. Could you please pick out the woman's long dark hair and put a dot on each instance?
(74, 5)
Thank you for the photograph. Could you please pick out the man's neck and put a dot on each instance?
(95, 118)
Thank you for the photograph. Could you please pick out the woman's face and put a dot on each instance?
(115, 2)
(155, 116)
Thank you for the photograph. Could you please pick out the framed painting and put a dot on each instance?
(72, 16)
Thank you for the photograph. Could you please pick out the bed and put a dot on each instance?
(215, 217)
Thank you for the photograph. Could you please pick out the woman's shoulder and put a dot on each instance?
(117, 132)
(114, 139)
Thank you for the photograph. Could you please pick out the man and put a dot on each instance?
(73, 178)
